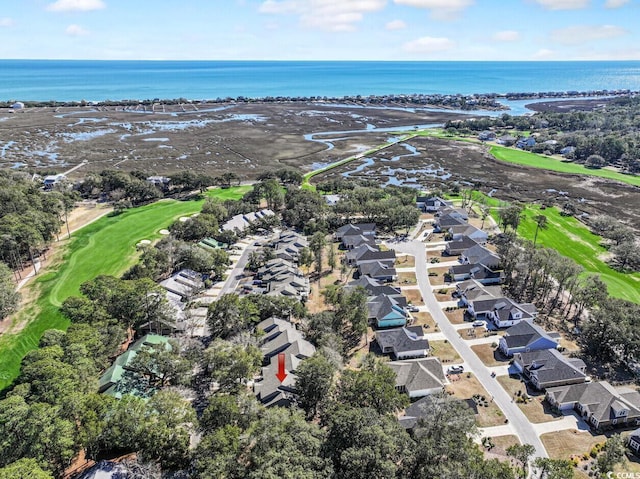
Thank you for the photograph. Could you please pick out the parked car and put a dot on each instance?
(412, 308)
(456, 369)
(478, 323)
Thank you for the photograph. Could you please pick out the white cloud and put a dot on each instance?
(395, 25)
(440, 9)
(564, 4)
(615, 3)
(543, 54)
(6, 22)
(429, 45)
(578, 34)
(332, 15)
(76, 31)
(506, 36)
(76, 5)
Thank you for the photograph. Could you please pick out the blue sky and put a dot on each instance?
(321, 29)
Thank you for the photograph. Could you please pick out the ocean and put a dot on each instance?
(75, 80)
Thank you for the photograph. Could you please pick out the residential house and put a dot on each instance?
(458, 231)
(239, 223)
(453, 212)
(374, 288)
(472, 290)
(431, 204)
(354, 241)
(419, 377)
(111, 382)
(634, 441)
(366, 229)
(526, 336)
(549, 368)
(403, 343)
(459, 246)
(379, 270)
(599, 403)
(386, 312)
(369, 253)
(427, 407)
(506, 140)
(443, 223)
(280, 337)
(478, 254)
(507, 312)
(527, 142)
(185, 283)
(51, 181)
(486, 135)
(161, 182)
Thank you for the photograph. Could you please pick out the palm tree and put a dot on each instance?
(541, 223)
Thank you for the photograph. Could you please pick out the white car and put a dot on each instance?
(477, 324)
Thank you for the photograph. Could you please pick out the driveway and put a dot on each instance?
(517, 420)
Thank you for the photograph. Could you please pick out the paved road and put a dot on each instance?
(517, 420)
(231, 283)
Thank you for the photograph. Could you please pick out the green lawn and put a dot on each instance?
(107, 246)
(525, 158)
(571, 238)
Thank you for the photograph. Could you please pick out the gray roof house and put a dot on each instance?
(472, 290)
(368, 252)
(419, 377)
(549, 368)
(599, 403)
(353, 241)
(459, 246)
(366, 229)
(444, 222)
(431, 204)
(280, 336)
(403, 343)
(526, 336)
(386, 312)
(478, 254)
(184, 283)
(634, 441)
(476, 234)
(506, 312)
(380, 270)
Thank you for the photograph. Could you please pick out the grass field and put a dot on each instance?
(513, 155)
(107, 246)
(571, 238)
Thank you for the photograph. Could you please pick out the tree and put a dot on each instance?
(541, 223)
(612, 453)
(373, 386)
(317, 245)
(24, 469)
(595, 161)
(168, 423)
(510, 215)
(282, 444)
(522, 453)
(553, 468)
(231, 365)
(331, 257)
(9, 298)
(314, 380)
(305, 258)
(231, 314)
(154, 367)
(363, 444)
(626, 256)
